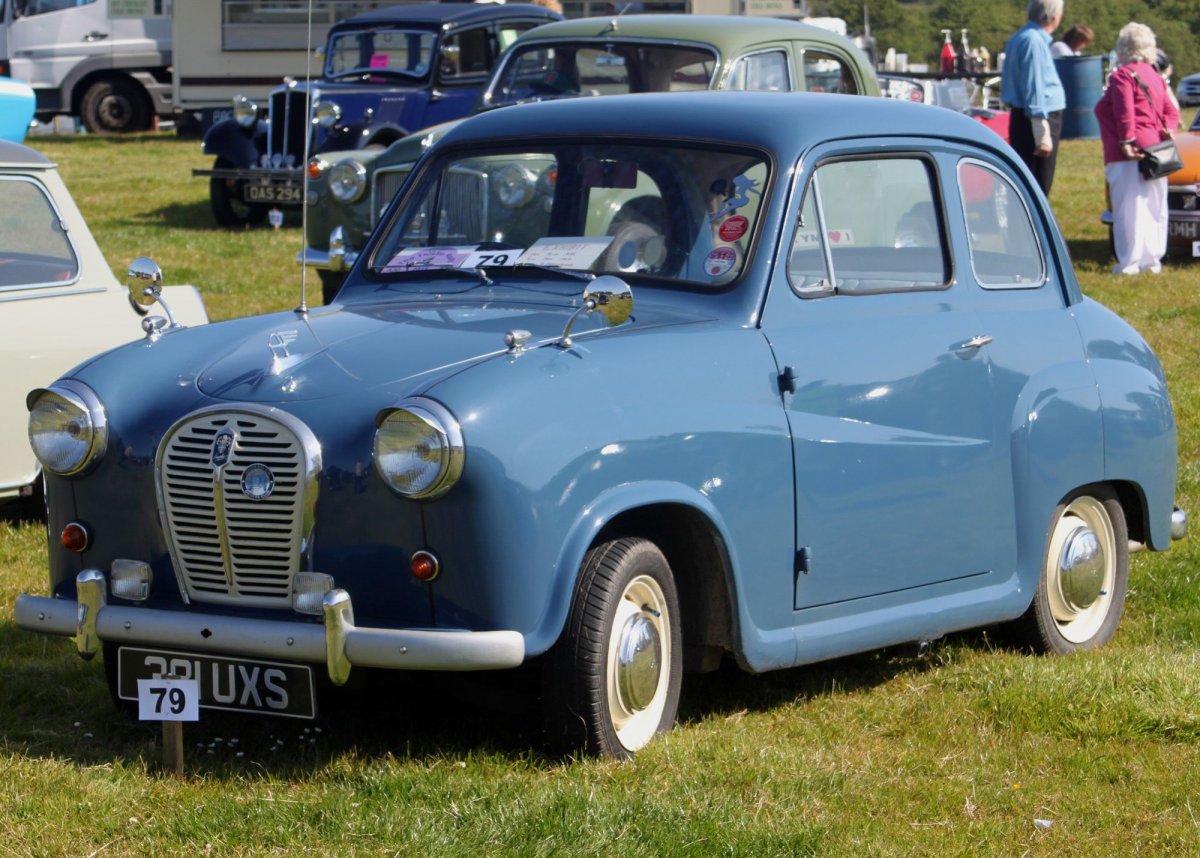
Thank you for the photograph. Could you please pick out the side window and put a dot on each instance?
(762, 72)
(870, 225)
(509, 33)
(41, 7)
(34, 248)
(825, 72)
(466, 54)
(1005, 251)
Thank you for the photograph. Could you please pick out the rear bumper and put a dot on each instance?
(338, 642)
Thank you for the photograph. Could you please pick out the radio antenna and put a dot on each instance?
(303, 308)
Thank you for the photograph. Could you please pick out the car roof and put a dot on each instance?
(19, 155)
(784, 122)
(437, 14)
(727, 33)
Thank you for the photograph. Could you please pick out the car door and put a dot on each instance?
(50, 38)
(900, 476)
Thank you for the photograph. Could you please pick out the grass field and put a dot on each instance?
(973, 750)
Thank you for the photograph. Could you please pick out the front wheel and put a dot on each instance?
(612, 680)
(1085, 575)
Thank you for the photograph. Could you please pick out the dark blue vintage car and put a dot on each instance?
(386, 74)
(762, 376)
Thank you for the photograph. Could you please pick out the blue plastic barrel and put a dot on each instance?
(16, 109)
(1083, 82)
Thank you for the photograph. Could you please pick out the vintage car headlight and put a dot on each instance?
(515, 185)
(245, 111)
(419, 448)
(68, 428)
(347, 180)
(327, 113)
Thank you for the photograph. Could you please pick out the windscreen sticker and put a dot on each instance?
(488, 258)
(720, 261)
(378, 61)
(575, 252)
(839, 237)
(736, 193)
(416, 258)
(733, 228)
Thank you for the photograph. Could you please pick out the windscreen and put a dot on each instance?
(677, 215)
(551, 70)
(380, 51)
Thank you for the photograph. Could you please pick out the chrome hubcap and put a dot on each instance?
(1081, 569)
(639, 659)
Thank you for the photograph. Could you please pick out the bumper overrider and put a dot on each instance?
(339, 257)
(338, 643)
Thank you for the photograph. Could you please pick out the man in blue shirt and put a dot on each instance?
(1030, 86)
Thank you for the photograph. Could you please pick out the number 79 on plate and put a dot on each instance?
(168, 700)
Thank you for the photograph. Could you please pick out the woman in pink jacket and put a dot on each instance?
(1135, 111)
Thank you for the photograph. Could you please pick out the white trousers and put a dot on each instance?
(1139, 210)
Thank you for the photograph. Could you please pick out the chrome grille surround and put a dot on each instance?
(226, 548)
(384, 185)
(467, 194)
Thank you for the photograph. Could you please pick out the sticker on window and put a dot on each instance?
(378, 61)
(417, 258)
(567, 252)
(733, 228)
(720, 261)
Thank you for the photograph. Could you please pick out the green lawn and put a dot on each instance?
(974, 750)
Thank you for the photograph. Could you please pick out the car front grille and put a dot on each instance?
(385, 183)
(285, 141)
(229, 548)
(464, 202)
(1182, 200)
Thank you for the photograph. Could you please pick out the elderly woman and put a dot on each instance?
(1135, 111)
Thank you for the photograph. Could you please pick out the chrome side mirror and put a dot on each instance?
(608, 295)
(145, 290)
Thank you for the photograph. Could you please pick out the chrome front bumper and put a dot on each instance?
(339, 644)
(338, 258)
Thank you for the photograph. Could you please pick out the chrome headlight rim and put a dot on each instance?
(515, 185)
(452, 449)
(81, 397)
(347, 180)
(245, 111)
(327, 114)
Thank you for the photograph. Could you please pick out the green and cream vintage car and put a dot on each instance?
(348, 191)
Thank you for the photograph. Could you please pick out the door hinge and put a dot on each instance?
(804, 560)
(787, 380)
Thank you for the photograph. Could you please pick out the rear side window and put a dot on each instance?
(870, 225)
(34, 248)
(762, 72)
(1005, 251)
(826, 72)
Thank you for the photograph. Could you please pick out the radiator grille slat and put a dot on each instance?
(229, 548)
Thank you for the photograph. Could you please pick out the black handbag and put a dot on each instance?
(1158, 159)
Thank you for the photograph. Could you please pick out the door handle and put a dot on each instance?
(95, 36)
(976, 342)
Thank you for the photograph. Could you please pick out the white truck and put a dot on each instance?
(105, 61)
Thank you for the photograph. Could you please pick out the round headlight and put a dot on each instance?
(419, 448)
(327, 113)
(347, 180)
(68, 428)
(514, 185)
(245, 111)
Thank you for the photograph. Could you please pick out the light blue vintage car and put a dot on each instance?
(828, 385)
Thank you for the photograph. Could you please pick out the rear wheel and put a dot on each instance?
(612, 680)
(1085, 574)
(228, 207)
(114, 106)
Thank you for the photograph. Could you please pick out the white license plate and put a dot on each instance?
(272, 193)
(232, 684)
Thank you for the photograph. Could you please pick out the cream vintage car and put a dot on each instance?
(59, 301)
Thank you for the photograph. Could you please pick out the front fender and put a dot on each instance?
(236, 144)
(360, 135)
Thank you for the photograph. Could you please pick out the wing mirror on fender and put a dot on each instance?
(608, 295)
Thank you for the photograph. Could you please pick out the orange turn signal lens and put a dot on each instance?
(75, 537)
(424, 566)
(316, 168)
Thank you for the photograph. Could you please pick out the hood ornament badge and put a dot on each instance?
(222, 447)
(278, 342)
